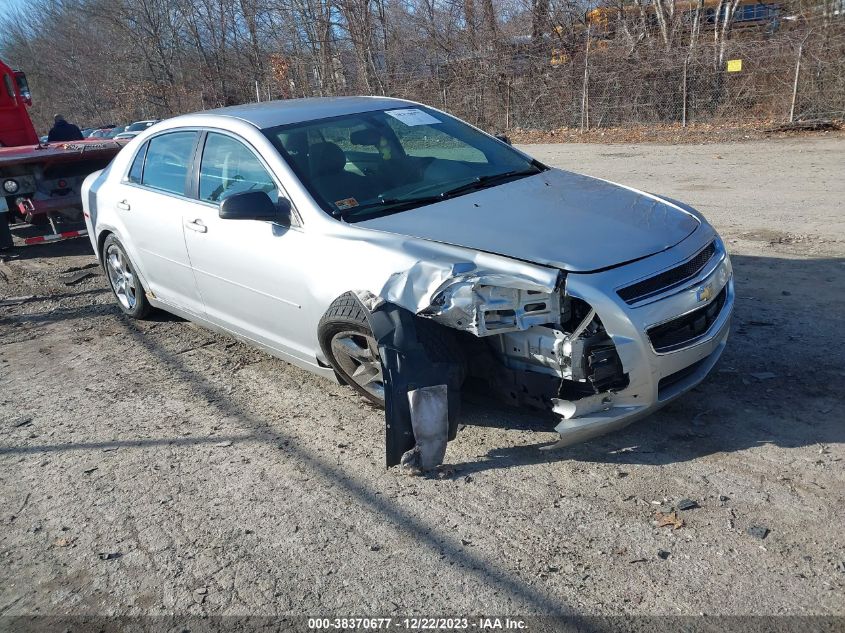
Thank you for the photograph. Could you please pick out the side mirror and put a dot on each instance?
(255, 205)
(504, 138)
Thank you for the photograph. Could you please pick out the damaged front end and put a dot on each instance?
(521, 335)
(578, 345)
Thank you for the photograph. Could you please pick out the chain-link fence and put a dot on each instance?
(613, 67)
(783, 77)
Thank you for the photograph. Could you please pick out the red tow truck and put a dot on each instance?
(40, 182)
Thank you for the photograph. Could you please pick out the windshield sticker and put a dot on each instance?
(412, 117)
(346, 203)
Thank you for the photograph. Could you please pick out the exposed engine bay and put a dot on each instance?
(543, 332)
(530, 345)
(575, 347)
(539, 337)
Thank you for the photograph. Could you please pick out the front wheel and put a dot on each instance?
(127, 288)
(352, 350)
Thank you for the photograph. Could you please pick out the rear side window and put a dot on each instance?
(138, 165)
(229, 167)
(168, 160)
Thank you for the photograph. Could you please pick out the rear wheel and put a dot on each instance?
(127, 288)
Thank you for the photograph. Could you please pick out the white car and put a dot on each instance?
(395, 248)
(134, 129)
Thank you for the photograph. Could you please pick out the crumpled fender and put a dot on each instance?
(415, 288)
(463, 296)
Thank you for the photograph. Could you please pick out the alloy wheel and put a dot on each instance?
(357, 355)
(121, 277)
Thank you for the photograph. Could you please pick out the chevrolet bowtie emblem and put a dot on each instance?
(704, 293)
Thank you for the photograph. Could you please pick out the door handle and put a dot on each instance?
(197, 226)
(123, 205)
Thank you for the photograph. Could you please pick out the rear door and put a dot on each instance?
(151, 204)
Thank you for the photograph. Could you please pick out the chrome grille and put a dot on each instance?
(666, 280)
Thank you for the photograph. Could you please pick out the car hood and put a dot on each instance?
(556, 218)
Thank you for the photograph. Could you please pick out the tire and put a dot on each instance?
(350, 347)
(130, 294)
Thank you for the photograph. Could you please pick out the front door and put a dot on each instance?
(246, 270)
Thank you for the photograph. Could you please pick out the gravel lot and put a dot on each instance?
(155, 467)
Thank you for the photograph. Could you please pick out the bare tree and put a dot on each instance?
(496, 62)
(722, 24)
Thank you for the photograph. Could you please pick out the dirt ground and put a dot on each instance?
(157, 468)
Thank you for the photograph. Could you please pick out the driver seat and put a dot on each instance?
(330, 178)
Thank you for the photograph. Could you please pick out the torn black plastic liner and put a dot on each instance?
(407, 367)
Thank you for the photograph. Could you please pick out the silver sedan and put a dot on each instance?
(393, 247)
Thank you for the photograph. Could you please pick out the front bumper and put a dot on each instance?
(654, 378)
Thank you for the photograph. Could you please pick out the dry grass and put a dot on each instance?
(671, 134)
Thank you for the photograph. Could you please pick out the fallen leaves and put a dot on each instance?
(672, 133)
(669, 519)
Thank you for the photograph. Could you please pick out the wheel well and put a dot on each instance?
(101, 239)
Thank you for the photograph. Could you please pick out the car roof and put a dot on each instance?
(272, 113)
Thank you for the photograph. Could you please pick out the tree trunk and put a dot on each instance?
(665, 12)
(469, 18)
(539, 20)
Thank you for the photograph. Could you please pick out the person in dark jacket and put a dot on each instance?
(63, 131)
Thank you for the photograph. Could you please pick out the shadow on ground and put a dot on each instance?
(47, 250)
(775, 331)
(772, 330)
(777, 382)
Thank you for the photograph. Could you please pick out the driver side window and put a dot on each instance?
(228, 167)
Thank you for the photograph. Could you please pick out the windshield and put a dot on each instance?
(140, 126)
(23, 86)
(366, 164)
